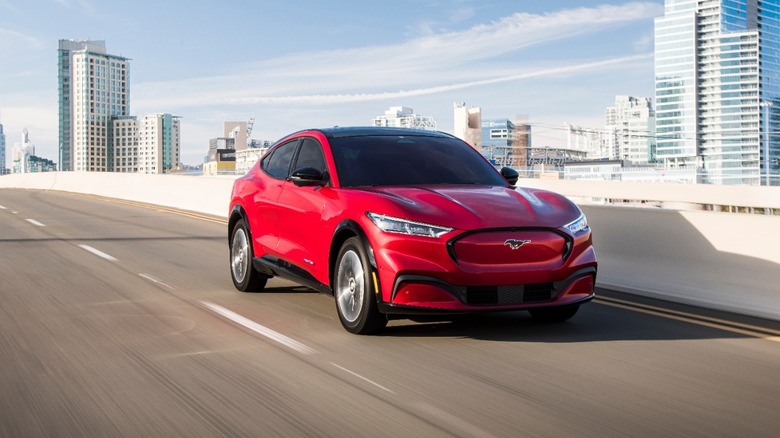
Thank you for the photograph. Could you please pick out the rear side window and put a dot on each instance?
(278, 163)
(310, 155)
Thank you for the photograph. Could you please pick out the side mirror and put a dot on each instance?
(510, 175)
(308, 176)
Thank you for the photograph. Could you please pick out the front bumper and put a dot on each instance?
(414, 294)
(421, 276)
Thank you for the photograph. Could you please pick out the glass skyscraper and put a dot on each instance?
(93, 87)
(717, 64)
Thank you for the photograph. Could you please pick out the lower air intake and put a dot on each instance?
(506, 295)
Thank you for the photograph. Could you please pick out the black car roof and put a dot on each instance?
(360, 131)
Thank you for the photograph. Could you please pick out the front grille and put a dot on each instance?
(505, 295)
(516, 247)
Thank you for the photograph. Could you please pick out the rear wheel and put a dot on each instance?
(354, 291)
(245, 276)
(554, 314)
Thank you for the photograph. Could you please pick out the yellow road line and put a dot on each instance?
(729, 326)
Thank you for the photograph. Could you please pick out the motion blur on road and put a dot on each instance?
(121, 320)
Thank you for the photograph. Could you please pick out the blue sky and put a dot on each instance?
(298, 64)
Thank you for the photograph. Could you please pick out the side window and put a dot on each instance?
(278, 163)
(310, 155)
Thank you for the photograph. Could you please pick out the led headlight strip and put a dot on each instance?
(391, 224)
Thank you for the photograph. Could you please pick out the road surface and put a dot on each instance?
(121, 320)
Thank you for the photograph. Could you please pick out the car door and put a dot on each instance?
(276, 167)
(302, 240)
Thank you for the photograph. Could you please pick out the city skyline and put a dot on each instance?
(343, 64)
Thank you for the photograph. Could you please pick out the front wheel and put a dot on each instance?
(245, 277)
(355, 301)
(554, 314)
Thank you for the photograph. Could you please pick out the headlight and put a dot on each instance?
(580, 224)
(395, 225)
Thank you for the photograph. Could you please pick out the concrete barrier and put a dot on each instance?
(717, 260)
(204, 194)
(662, 194)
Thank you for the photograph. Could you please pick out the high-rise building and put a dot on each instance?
(505, 143)
(149, 145)
(717, 88)
(630, 129)
(159, 143)
(94, 88)
(404, 117)
(125, 143)
(3, 169)
(22, 153)
(468, 124)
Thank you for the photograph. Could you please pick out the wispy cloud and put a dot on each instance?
(10, 38)
(315, 99)
(461, 14)
(457, 14)
(644, 43)
(424, 65)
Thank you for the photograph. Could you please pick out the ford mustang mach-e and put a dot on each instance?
(400, 223)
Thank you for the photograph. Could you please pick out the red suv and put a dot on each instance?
(403, 222)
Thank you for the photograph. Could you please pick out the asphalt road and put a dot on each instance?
(119, 320)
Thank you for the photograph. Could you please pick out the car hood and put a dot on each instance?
(472, 207)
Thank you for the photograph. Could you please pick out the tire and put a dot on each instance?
(554, 314)
(245, 276)
(354, 291)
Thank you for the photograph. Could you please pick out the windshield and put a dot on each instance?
(410, 160)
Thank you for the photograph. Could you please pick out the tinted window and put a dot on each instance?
(278, 163)
(410, 160)
(310, 155)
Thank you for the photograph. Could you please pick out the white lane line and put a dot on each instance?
(3, 208)
(14, 212)
(259, 329)
(452, 420)
(361, 377)
(98, 253)
(154, 280)
(34, 222)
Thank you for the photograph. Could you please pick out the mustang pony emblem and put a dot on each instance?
(515, 244)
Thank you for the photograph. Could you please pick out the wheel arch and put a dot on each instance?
(236, 214)
(346, 229)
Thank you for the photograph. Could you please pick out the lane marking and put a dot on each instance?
(3, 208)
(260, 329)
(361, 377)
(34, 222)
(154, 280)
(98, 253)
(733, 327)
(14, 212)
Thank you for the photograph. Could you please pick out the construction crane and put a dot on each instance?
(249, 126)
